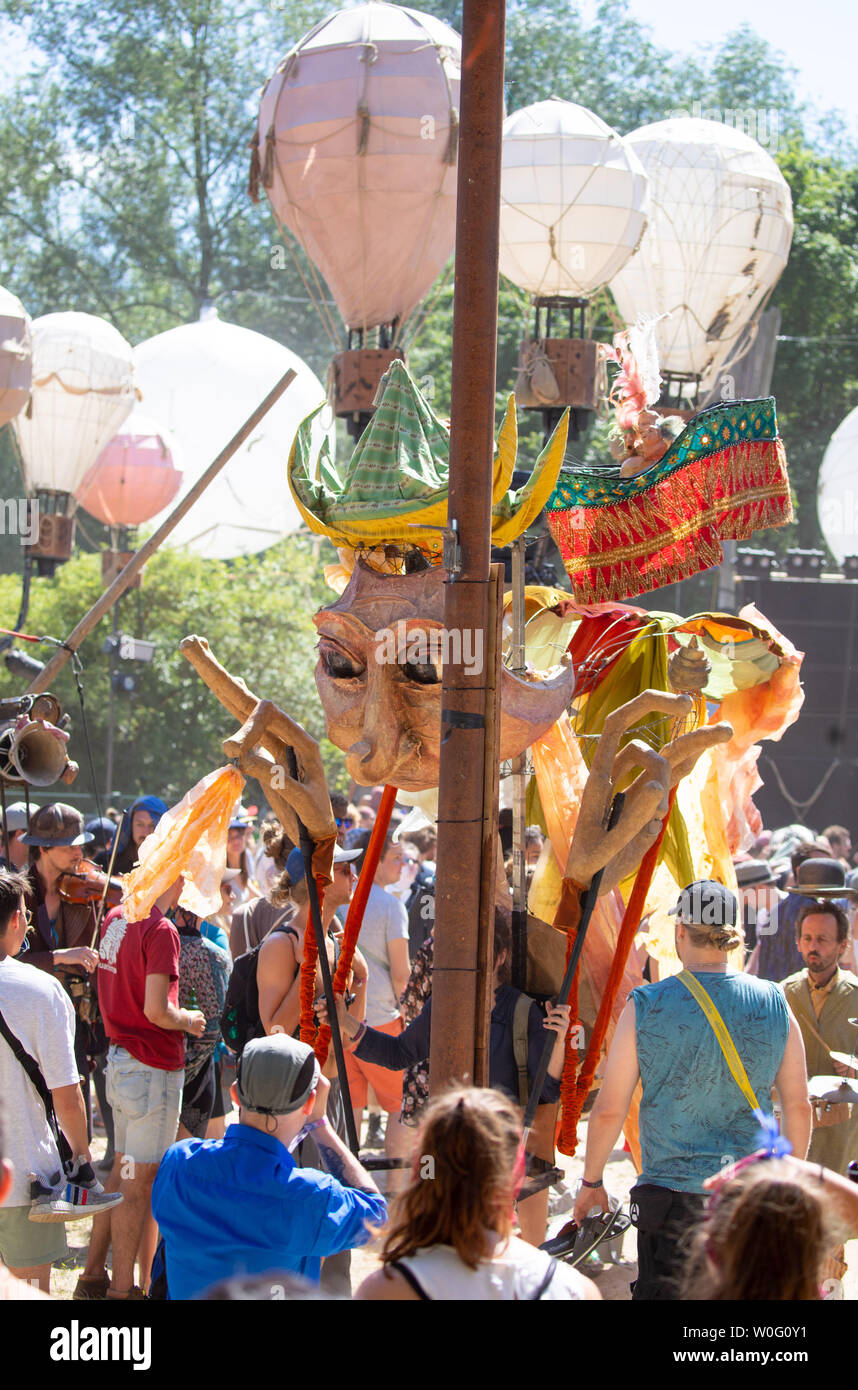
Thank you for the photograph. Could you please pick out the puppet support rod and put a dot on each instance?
(125, 577)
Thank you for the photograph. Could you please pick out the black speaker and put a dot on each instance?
(811, 775)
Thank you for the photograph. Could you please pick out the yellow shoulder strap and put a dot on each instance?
(725, 1042)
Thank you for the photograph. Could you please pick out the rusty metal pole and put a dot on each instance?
(466, 848)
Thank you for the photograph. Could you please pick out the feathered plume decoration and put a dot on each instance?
(772, 1142)
(638, 382)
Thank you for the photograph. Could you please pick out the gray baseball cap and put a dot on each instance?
(275, 1075)
(706, 903)
(16, 815)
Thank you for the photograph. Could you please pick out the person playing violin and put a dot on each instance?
(61, 933)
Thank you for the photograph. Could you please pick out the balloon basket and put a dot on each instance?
(569, 367)
(112, 564)
(356, 375)
(54, 543)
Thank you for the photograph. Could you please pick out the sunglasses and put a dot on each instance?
(344, 820)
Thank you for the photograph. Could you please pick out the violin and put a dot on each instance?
(85, 884)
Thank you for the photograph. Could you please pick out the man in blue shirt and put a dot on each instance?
(240, 1205)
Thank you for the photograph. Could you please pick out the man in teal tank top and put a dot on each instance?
(695, 1115)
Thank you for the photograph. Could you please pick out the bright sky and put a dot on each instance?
(819, 38)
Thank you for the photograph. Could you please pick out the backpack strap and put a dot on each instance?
(545, 1281)
(33, 1070)
(520, 1044)
(410, 1279)
(722, 1033)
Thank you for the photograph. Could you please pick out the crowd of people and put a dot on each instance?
(744, 1057)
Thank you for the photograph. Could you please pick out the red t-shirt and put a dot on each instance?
(127, 953)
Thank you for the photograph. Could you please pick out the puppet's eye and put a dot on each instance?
(338, 664)
(422, 672)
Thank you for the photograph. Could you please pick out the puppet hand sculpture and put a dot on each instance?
(620, 850)
(265, 727)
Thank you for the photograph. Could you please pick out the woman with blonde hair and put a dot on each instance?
(450, 1232)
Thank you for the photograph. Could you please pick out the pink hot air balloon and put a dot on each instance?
(134, 476)
(356, 150)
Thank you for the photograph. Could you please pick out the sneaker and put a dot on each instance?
(92, 1289)
(72, 1199)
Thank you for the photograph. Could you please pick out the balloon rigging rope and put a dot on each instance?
(428, 305)
(800, 808)
(314, 292)
(442, 280)
(596, 168)
(317, 299)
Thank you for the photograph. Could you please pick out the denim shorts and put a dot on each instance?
(146, 1103)
(25, 1243)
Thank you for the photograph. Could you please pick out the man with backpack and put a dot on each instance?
(138, 982)
(263, 992)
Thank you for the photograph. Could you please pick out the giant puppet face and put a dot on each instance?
(381, 652)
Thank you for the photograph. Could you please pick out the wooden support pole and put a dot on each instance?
(126, 576)
(518, 961)
(461, 982)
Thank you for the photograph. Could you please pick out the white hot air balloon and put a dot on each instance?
(718, 238)
(202, 381)
(357, 141)
(574, 200)
(16, 356)
(837, 489)
(83, 390)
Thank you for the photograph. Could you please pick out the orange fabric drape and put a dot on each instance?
(357, 906)
(574, 1090)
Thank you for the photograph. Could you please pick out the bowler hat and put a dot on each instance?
(753, 873)
(822, 878)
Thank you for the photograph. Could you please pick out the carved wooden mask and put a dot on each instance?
(381, 652)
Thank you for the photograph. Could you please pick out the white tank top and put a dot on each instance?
(515, 1271)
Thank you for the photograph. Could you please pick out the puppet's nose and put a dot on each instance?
(371, 758)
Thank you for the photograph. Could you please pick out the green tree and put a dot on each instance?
(256, 614)
(126, 153)
(816, 370)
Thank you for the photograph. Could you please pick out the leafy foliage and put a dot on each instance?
(255, 613)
